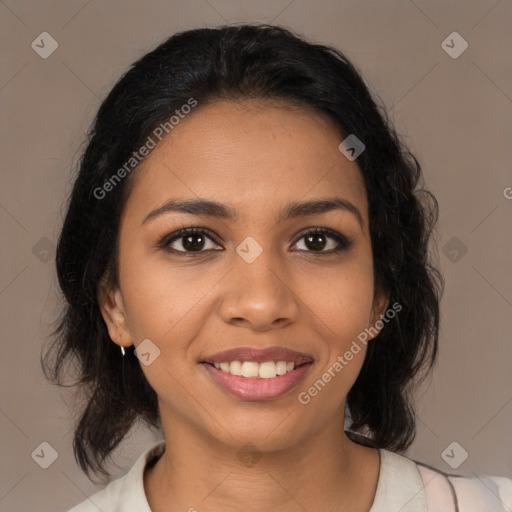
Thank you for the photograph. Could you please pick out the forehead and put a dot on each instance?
(250, 154)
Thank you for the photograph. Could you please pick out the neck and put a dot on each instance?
(325, 472)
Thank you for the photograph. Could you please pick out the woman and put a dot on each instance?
(245, 264)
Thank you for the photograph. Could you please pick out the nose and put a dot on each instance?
(259, 295)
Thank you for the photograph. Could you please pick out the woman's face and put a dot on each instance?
(259, 279)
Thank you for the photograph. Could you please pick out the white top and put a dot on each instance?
(403, 485)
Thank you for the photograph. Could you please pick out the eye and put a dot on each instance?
(195, 240)
(189, 240)
(317, 240)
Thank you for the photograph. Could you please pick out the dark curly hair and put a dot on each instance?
(241, 62)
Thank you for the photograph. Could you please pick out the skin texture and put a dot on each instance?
(256, 156)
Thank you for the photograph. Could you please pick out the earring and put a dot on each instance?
(122, 348)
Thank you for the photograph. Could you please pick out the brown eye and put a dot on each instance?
(322, 240)
(193, 242)
(189, 240)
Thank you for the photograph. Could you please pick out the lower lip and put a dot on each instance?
(248, 388)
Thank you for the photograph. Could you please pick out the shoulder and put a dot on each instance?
(106, 499)
(412, 486)
(126, 494)
(481, 493)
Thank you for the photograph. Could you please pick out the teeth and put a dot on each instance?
(267, 370)
(235, 368)
(281, 367)
(251, 369)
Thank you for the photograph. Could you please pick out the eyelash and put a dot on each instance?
(344, 243)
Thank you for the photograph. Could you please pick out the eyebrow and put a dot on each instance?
(293, 210)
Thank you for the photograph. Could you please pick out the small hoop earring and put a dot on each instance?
(122, 351)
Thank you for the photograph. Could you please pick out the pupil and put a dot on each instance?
(189, 245)
(312, 241)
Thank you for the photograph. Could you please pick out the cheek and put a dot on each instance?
(342, 296)
(161, 296)
(160, 305)
(157, 297)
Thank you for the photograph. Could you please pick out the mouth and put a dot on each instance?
(258, 374)
(254, 370)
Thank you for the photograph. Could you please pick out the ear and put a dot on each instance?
(114, 314)
(379, 307)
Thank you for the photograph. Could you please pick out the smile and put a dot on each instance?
(252, 369)
(258, 374)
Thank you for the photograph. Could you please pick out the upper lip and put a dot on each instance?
(259, 355)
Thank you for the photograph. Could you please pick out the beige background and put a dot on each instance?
(454, 112)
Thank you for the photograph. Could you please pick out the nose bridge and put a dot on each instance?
(258, 294)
